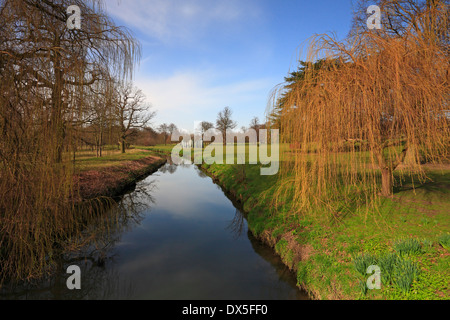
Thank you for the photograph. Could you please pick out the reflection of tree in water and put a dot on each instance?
(185, 165)
(97, 283)
(285, 276)
(200, 173)
(237, 226)
(99, 280)
(133, 205)
(126, 215)
(169, 168)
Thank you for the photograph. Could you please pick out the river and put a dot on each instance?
(177, 237)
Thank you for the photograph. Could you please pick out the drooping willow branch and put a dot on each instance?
(359, 114)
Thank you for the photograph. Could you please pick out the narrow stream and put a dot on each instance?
(178, 238)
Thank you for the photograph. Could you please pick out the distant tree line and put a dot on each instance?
(224, 123)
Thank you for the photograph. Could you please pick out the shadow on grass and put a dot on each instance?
(436, 186)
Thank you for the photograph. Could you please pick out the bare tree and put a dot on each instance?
(406, 18)
(131, 111)
(224, 122)
(205, 126)
(164, 130)
(53, 60)
(255, 125)
(99, 115)
(172, 128)
(46, 73)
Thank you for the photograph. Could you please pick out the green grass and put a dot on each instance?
(408, 247)
(444, 241)
(407, 236)
(87, 160)
(397, 224)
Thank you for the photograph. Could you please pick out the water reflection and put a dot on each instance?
(284, 275)
(237, 226)
(170, 168)
(175, 236)
(123, 217)
(99, 281)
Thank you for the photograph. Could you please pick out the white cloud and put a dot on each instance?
(199, 93)
(188, 96)
(168, 20)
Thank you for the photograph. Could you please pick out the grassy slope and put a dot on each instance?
(322, 252)
(114, 172)
(87, 160)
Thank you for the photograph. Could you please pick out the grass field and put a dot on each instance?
(87, 160)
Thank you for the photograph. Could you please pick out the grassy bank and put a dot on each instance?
(331, 257)
(68, 213)
(109, 176)
(407, 236)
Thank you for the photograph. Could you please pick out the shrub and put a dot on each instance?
(405, 273)
(427, 244)
(408, 247)
(387, 264)
(444, 241)
(363, 287)
(363, 261)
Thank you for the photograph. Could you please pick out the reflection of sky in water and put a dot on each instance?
(185, 195)
(183, 247)
(184, 250)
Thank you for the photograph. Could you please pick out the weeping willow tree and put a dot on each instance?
(375, 100)
(45, 70)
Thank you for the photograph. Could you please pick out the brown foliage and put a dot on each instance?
(47, 74)
(379, 96)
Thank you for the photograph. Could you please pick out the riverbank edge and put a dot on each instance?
(89, 186)
(303, 247)
(114, 181)
(267, 237)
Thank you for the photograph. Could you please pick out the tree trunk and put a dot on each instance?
(123, 145)
(224, 137)
(387, 182)
(412, 157)
(97, 146)
(57, 106)
(101, 142)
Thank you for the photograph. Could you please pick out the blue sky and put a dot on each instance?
(199, 56)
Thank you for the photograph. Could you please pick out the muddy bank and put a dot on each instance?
(114, 181)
